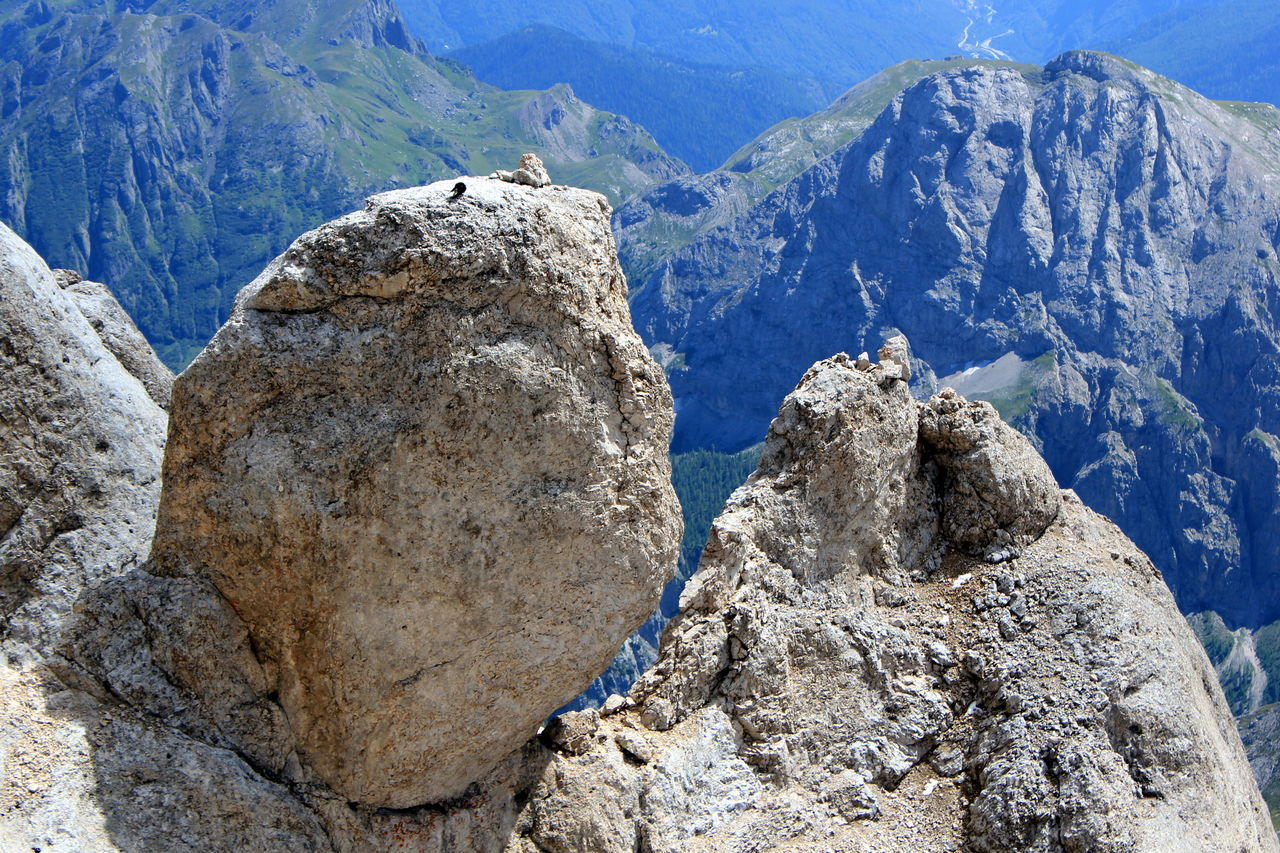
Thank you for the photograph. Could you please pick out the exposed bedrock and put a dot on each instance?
(845, 675)
(100, 750)
(80, 447)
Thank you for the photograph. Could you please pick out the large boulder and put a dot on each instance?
(425, 461)
(998, 494)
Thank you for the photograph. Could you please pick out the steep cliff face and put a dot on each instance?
(842, 676)
(1110, 234)
(663, 218)
(119, 334)
(1260, 732)
(172, 151)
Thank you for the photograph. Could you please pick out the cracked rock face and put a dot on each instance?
(80, 452)
(425, 461)
(846, 673)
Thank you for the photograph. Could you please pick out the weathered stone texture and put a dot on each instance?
(119, 334)
(80, 451)
(425, 460)
(880, 689)
(997, 493)
(101, 747)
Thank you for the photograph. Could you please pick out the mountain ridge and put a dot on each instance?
(1043, 243)
(238, 136)
(660, 92)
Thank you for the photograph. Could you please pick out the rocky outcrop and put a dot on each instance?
(416, 493)
(97, 751)
(843, 676)
(81, 449)
(425, 462)
(1110, 234)
(529, 172)
(996, 493)
(119, 334)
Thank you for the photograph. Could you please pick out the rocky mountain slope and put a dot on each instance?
(441, 503)
(829, 40)
(844, 675)
(657, 221)
(1093, 249)
(1260, 732)
(171, 150)
(82, 444)
(659, 91)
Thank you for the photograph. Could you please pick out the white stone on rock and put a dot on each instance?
(531, 172)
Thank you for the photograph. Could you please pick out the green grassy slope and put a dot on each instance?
(172, 154)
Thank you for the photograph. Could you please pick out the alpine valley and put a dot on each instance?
(172, 148)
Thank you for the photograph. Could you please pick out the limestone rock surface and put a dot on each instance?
(119, 334)
(82, 775)
(845, 676)
(425, 461)
(80, 452)
(100, 748)
(998, 494)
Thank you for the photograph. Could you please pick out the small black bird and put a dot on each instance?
(458, 189)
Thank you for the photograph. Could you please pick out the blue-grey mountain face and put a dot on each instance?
(1093, 248)
(699, 113)
(838, 41)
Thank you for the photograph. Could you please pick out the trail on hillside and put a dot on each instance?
(981, 48)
